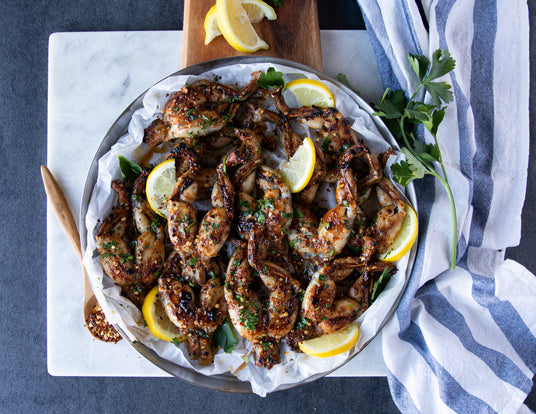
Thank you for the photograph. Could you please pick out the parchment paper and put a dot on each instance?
(294, 367)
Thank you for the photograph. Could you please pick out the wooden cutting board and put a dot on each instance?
(294, 35)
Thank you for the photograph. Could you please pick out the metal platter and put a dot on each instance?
(228, 382)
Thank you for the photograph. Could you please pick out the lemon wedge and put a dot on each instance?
(311, 92)
(258, 10)
(331, 344)
(157, 320)
(297, 171)
(160, 184)
(234, 24)
(212, 30)
(255, 9)
(405, 237)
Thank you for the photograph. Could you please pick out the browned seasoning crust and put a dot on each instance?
(297, 271)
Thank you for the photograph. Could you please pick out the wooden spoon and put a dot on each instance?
(63, 213)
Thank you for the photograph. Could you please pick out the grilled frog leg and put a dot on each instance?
(150, 243)
(216, 225)
(116, 257)
(283, 302)
(197, 310)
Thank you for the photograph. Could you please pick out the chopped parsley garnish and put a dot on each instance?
(301, 324)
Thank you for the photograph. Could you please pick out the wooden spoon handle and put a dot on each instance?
(60, 206)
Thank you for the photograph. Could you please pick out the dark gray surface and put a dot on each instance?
(25, 385)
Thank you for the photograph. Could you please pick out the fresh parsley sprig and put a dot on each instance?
(401, 116)
(271, 78)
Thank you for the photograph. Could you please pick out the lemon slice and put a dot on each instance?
(311, 92)
(160, 184)
(235, 26)
(331, 344)
(297, 171)
(157, 320)
(212, 30)
(258, 10)
(405, 237)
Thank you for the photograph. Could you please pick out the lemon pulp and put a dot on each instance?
(157, 320)
(311, 92)
(256, 10)
(236, 27)
(332, 344)
(297, 171)
(212, 30)
(160, 184)
(404, 239)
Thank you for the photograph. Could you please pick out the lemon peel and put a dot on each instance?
(236, 27)
(157, 320)
(256, 10)
(297, 171)
(311, 92)
(331, 344)
(159, 186)
(212, 30)
(405, 238)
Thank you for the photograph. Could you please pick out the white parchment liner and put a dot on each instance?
(294, 367)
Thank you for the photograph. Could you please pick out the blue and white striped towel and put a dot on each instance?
(464, 340)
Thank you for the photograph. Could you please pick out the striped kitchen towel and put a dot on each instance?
(464, 340)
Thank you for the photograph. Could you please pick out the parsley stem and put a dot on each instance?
(444, 181)
(417, 89)
(441, 161)
(454, 241)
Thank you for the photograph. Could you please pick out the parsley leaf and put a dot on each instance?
(392, 104)
(435, 120)
(341, 77)
(439, 91)
(225, 337)
(419, 64)
(428, 152)
(404, 173)
(270, 78)
(441, 67)
(379, 284)
(129, 170)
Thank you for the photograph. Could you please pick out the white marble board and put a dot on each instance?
(93, 77)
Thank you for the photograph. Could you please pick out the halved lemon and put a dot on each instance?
(157, 320)
(235, 26)
(311, 92)
(405, 237)
(297, 171)
(331, 344)
(212, 30)
(160, 184)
